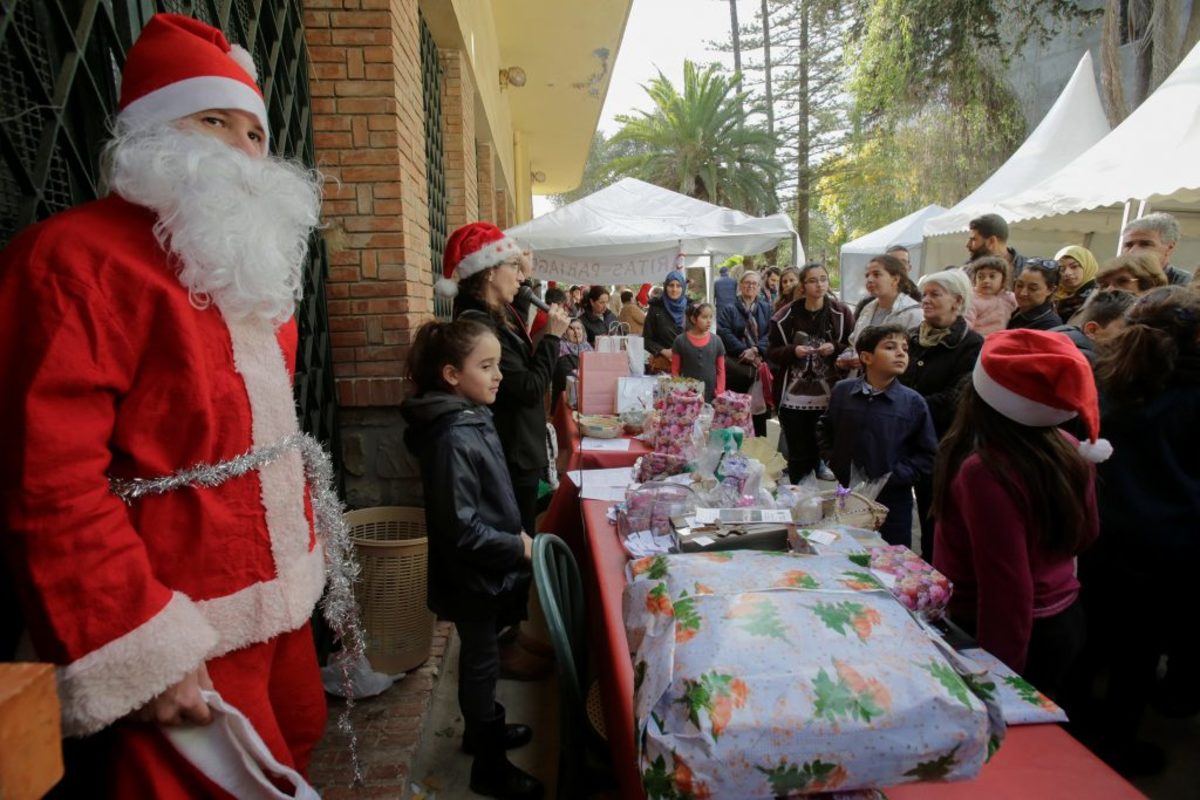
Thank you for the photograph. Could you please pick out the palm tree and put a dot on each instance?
(698, 143)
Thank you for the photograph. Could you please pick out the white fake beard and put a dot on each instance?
(238, 226)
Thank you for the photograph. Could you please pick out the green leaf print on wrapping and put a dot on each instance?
(936, 770)
(848, 614)
(653, 567)
(862, 559)
(1029, 693)
(758, 616)
(980, 686)
(950, 680)
(659, 781)
(717, 695)
(796, 579)
(687, 618)
(639, 675)
(815, 775)
(848, 696)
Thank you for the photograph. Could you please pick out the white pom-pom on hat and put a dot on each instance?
(1097, 451)
(446, 287)
(241, 56)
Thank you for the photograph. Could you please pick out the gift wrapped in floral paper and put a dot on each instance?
(1019, 699)
(656, 466)
(917, 585)
(675, 432)
(765, 675)
(668, 384)
(732, 410)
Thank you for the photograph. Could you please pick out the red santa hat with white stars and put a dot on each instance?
(1040, 379)
(179, 66)
(470, 249)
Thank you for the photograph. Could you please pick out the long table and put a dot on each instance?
(1035, 761)
(572, 456)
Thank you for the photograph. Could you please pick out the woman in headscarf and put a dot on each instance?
(664, 321)
(941, 352)
(1077, 279)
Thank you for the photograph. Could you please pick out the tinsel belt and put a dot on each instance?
(338, 605)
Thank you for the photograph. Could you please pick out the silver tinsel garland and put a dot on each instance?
(338, 606)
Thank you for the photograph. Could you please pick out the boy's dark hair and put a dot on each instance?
(1104, 307)
(438, 344)
(990, 225)
(555, 295)
(626, 297)
(869, 339)
(989, 262)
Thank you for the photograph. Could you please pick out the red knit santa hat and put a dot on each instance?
(179, 66)
(1040, 379)
(473, 248)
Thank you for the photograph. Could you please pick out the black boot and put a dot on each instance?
(492, 775)
(514, 736)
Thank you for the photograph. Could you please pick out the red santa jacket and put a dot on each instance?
(109, 369)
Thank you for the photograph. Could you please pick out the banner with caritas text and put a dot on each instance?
(607, 270)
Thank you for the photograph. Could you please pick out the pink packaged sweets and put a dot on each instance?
(656, 465)
(918, 586)
(675, 432)
(732, 410)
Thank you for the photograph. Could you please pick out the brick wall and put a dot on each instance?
(368, 122)
(458, 132)
(486, 180)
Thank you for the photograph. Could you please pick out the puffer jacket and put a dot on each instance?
(476, 559)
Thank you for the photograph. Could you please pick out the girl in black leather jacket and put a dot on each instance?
(479, 554)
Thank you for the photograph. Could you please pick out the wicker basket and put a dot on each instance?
(391, 547)
(855, 510)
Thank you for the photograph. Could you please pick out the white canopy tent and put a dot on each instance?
(857, 253)
(632, 232)
(1152, 157)
(1073, 124)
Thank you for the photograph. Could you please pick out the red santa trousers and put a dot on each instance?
(276, 684)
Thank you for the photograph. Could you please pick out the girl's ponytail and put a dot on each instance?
(438, 344)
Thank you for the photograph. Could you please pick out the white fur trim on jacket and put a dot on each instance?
(495, 253)
(1014, 406)
(126, 673)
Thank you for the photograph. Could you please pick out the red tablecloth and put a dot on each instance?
(571, 457)
(1035, 761)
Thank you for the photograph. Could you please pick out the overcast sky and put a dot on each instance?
(660, 34)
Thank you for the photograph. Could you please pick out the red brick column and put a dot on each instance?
(458, 138)
(369, 124)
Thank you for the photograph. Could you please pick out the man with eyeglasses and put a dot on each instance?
(989, 237)
(1158, 234)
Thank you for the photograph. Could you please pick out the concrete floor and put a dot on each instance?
(441, 771)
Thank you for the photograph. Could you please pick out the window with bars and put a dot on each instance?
(435, 161)
(61, 62)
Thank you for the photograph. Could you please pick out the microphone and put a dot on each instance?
(526, 293)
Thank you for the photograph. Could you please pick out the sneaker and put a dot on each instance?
(825, 473)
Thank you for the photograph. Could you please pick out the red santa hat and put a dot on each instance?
(1040, 379)
(473, 248)
(179, 66)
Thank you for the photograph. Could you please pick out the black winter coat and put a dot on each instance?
(520, 410)
(937, 373)
(595, 326)
(477, 565)
(1041, 318)
(660, 330)
(1069, 306)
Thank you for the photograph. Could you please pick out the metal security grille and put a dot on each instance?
(60, 64)
(435, 163)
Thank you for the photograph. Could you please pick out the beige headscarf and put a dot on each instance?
(1086, 260)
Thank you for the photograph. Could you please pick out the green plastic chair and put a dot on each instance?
(560, 591)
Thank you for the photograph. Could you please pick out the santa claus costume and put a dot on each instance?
(114, 369)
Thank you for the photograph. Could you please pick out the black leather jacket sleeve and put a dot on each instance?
(476, 543)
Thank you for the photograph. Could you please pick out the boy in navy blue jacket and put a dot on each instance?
(880, 426)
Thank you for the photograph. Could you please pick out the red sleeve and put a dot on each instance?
(92, 602)
(720, 373)
(999, 537)
(675, 363)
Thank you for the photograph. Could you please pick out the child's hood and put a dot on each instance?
(430, 415)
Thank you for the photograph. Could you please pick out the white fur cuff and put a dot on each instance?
(126, 673)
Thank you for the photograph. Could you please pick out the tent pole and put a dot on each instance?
(1141, 209)
(1124, 222)
(795, 249)
(708, 279)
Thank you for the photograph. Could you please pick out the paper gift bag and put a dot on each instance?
(633, 346)
(598, 376)
(635, 393)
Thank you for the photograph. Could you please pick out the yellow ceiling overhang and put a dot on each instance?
(567, 49)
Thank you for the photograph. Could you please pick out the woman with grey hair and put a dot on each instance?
(941, 354)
